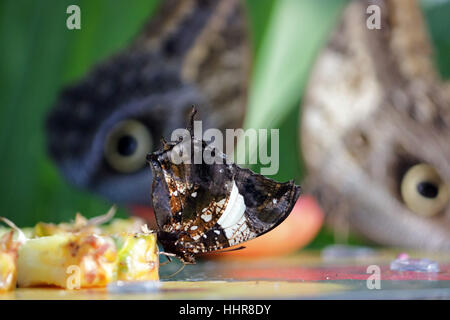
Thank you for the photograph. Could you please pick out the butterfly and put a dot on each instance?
(204, 207)
(378, 160)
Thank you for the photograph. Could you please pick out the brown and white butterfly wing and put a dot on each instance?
(206, 207)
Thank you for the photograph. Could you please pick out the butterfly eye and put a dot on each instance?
(127, 145)
(424, 191)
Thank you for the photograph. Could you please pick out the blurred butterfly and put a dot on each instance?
(206, 207)
(375, 129)
(191, 52)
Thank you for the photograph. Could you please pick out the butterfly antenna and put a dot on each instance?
(176, 272)
(164, 263)
(168, 255)
(190, 125)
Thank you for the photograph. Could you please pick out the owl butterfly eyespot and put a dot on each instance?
(126, 146)
(424, 191)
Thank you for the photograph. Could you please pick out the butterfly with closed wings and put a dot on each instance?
(205, 207)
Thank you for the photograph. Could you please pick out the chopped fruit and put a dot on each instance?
(132, 225)
(28, 232)
(80, 224)
(68, 261)
(118, 226)
(137, 256)
(81, 254)
(43, 229)
(8, 260)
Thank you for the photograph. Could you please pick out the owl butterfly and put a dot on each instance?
(190, 52)
(376, 129)
(206, 207)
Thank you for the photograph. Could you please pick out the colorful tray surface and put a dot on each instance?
(306, 275)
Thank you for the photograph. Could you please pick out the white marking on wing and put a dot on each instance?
(206, 217)
(235, 209)
(239, 232)
(196, 237)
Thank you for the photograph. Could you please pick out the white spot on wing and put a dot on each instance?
(196, 237)
(206, 217)
(234, 210)
(239, 233)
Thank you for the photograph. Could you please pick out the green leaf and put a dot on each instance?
(296, 31)
(287, 53)
(38, 56)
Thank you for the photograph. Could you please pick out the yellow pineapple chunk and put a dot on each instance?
(8, 259)
(118, 226)
(137, 257)
(79, 225)
(67, 260)
(28, 232)
(80, 254)
(43, 229)
(8, 272)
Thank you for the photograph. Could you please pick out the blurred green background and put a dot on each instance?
(39, 55)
